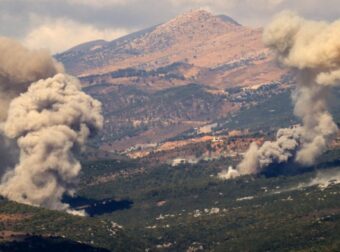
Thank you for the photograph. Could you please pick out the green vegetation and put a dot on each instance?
(170, 202)
(187, 206)
(123, 106)
(168, 72)
(172, 205)
(39, 221)
(50, 244)
(274, 112)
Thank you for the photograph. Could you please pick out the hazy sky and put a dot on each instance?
(60, 24)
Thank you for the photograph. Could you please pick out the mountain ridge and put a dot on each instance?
(200, 12)
(196, 37)
(211, 65)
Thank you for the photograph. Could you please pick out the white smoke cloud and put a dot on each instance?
(80, 213)
(257, 158)
(18, 68)
(228, 174)
(50, 121)
(312, 49)
(323, 180)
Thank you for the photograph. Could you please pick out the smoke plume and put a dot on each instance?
(312, 49)
(19, 67)
(50, 118)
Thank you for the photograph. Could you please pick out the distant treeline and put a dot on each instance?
(168, 72)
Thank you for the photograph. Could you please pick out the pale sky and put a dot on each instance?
(60, 24)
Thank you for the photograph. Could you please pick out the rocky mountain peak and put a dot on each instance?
(198, 15)
(197, 37)
(191, 26)
(196, 19)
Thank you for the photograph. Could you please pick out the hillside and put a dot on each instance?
(216, 50)
(183, 74)
(185, 208)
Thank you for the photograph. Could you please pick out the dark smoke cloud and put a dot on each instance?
(9, 154)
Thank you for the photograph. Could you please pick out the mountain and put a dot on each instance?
(182, 101)
(173, 77)
(216, 50)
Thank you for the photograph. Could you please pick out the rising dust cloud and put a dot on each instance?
(46, 119)
(312, 50)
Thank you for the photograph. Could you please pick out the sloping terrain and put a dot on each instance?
(176, 208)
(216, 50)
(188, 72)
(38, 229)
(187, 208)
(133, 116)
